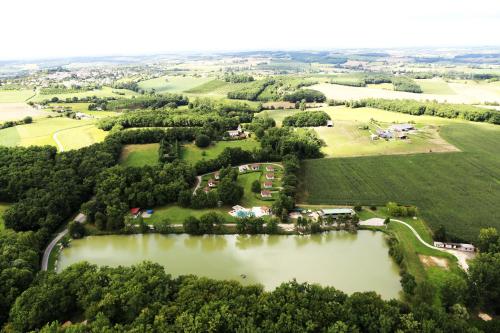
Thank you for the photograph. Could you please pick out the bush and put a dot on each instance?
(27, 120)
(202, 141)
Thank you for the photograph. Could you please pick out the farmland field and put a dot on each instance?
(17, 111)
(140, 155)
(461, 92)
(435, 86)
(81, 136)
(103, 92)
(41, 132)
(15, 96)
(173, 84)
(193, 154)
(459, 190)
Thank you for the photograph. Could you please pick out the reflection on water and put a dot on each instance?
(350, 262)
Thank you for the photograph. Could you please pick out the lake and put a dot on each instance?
(349, 262)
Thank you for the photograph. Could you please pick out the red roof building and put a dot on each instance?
(135, 211)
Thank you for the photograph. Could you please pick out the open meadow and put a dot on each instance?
(172, 84)
(459, 190)
(191, 153)
(42, 131)
(18, 111)
(140, 154)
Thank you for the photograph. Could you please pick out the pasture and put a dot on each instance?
(172, 84)
(192, 154)
(140, 155)
(16, 96)
(41, 132)
(459, 190)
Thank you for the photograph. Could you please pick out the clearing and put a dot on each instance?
(193, 154)
(140, 154)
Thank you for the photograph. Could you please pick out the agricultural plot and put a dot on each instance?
(81, 136)
(213, 87)
(15, 96)
(458, 190)
(18, 111)
(140, 155)
(435, 86)
(191, 153)
(462, 93)
(41, 132)
(172, 84)
(103, 92)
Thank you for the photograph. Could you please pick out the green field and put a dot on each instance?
(208, 87)
(176, 214)
(460, 190)
(3, 207)
(173, 84)
(193, 154)
(41, 132)
(435, 86)
(15, 96)
(104, 92)
(140, 155)
(251, 199)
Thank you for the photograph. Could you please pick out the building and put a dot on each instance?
(373, 137)
(268, 184)
(255, 167)
(217, 175)
(80, 218)
(269, 168)
(234, 134)
(384, 134)
(135, 211)
(206, 189)
(266, 194)
(455, 246)
(401, 135)
(243, 168)
(336, 212)
(269, 176)
(212, 183)
(329, 123)
(402, 127)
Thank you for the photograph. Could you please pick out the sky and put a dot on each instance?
(33, 29)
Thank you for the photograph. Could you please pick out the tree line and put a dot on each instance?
(307, 119)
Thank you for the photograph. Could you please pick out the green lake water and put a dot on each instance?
(349, 262)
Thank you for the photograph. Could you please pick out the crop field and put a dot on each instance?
(81, 136)
(17, 111)
(444, 186)
(210, 87)
(193, 154)
(104, 92)
(15, 96)
(41, 132)
(173, 84)
(469, 93)
(140, 155)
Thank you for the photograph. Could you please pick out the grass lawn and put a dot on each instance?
(140, 155)
(251, 199)
(3, 207)
(173, 84)
(41, 132)
(103, 92)
(193, 154)
(444, 186)
(176, 214)
(15, 96)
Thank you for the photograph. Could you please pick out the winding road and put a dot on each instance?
(462, 257)
(50, 247)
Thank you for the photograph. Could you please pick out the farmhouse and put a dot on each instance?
(237, 133)
(402, 127)
(456, 246)
(269, 176)
(266, 194)
(268, 184)
(384, 134)
(336, 212)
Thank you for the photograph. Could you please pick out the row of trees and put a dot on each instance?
(307, 95)
(307, 119)
(145, 298)
(145, 102)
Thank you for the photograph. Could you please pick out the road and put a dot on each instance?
(48, 250)
(462, 257)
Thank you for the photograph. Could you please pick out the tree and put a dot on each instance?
(408, 283)
(256, 186)
(191, 225)
(27, 120)
(424, 292)
(453, 290)
(272, 226)
(184, 199)
(440, 234)
(202, 140)
(76, 229)
(484, 280)
(229, 192)
(489, 240)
